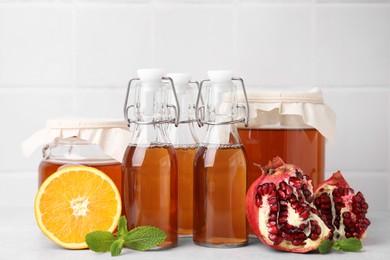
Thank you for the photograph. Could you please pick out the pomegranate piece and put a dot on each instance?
(280, 209)
(343, 211)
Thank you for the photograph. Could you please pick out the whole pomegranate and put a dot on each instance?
(343, 211)
(280, 209)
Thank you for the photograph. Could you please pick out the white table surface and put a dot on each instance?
(20, 238)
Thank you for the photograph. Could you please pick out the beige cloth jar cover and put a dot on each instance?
(285, 109)
(111, 135)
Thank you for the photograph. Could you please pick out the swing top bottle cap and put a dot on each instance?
(150, 75)
(180, 79)
(220, 76)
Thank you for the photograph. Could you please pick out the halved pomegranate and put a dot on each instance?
(343, 211)
(280, 209)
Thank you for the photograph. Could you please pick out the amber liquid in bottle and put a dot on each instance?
(150, 189)
(220, 177)
(302, 147)
(185, 161)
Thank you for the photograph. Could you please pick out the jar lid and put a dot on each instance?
(112, 135)
(304, 109)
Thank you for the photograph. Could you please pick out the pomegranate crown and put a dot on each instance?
(272, 166)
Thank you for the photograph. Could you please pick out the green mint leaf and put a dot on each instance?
(100, 241)
(122, 227)
(116, 247)
(325, 246)
(144, 237)
(351, 244)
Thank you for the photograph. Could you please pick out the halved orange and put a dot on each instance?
(75, 201)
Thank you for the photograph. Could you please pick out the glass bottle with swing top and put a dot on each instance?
(185, 142)
(220, 169)
(149, 164)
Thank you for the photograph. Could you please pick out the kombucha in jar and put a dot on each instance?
(292, 125)
(304, 147)
(75, 151)
(220, 168)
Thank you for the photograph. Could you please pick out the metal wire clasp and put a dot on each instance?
(200, 109)
(175, 108)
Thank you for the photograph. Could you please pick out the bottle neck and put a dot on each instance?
(222, 135)
(150, 135)
(150, 103)
(183, 135)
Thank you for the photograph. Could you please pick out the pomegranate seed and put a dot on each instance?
(272, 200)
(259, 201)
(283, 203)
(296, 242)
(295, 182)
(283, 185)
(273, 230)
(274, 208)
(303, 226)
(282, 194)
(282, 220)
(272, 217)
(304, 214)
(346, 214)
(295, 204)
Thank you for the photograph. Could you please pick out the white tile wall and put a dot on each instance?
(180, 29)
(35, 44)
(112, 41)
(353, 44)
(74, 57)
(274, 44)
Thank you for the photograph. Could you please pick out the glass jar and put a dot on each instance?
(220, 169)
(69, 151)
(291, 125)
(90, 142)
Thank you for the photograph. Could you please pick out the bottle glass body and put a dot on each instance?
(185, 145)
(150, 168)
(220, 177)
(185, 142)
(150, 189)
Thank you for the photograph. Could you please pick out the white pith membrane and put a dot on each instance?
(293, 219)
(79, 206)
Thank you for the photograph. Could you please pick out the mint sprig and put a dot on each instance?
(351, 244)
(141, 238)
(325, 247)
